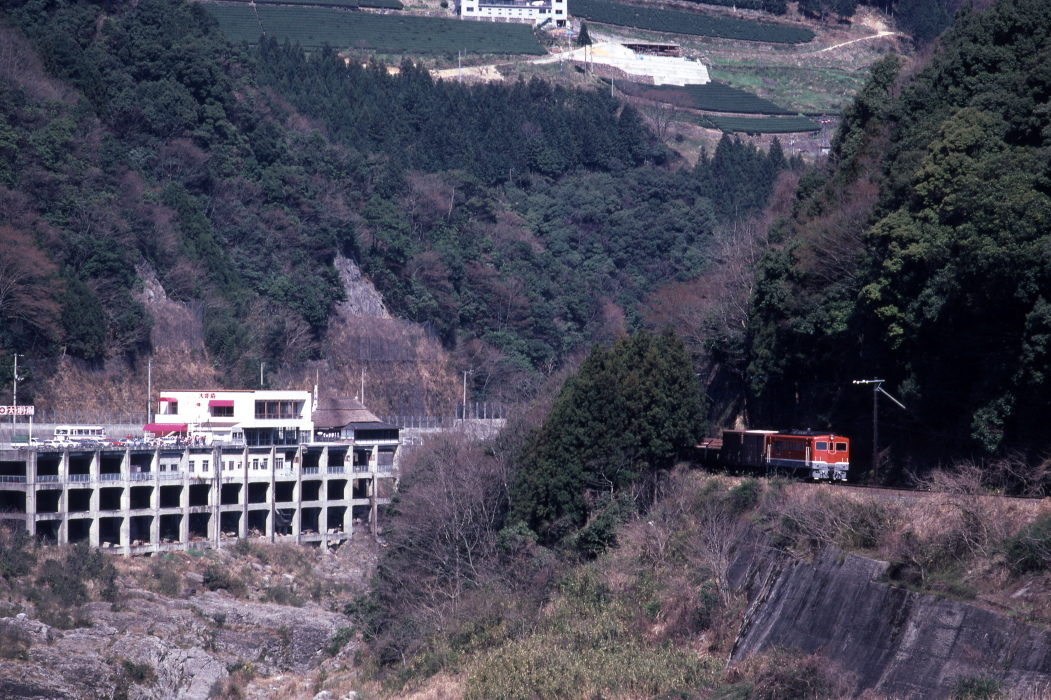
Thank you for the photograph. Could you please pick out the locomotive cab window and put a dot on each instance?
(822, 446)
(841, 447)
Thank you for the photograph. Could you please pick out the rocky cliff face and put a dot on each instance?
(897, 642)
(192, 646)
(188, 644)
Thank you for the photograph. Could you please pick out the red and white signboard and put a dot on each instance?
(17, 410)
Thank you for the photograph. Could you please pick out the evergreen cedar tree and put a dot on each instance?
(622, 418)
(584, 38)
(922, 257)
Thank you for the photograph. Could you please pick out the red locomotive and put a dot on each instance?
(808, 455)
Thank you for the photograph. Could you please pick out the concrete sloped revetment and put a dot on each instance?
(897, 642)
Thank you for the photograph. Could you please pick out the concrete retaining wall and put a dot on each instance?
(897, 642)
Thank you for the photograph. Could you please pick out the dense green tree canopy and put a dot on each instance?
(624, 416)
(941, 285)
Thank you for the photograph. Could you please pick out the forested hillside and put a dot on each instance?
(921, 255)
(517, 223)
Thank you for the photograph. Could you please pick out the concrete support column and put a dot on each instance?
(63, 510)
(93, 513)
(272, 495)
(31, 470)
(125, 517)
(184, 507)
(322, 523)
(214, 496)
(297, 517)
(31, 511)
(155, 522)
(242, 528)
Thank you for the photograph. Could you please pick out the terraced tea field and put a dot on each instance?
(345, 4)
(764, 125)
(699, 24)
(313, 27)
(712, 97)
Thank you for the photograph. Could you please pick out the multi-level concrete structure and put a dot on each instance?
(142, 499)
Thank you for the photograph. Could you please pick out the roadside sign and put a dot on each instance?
(17, 410)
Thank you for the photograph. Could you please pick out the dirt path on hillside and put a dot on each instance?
(877, 35)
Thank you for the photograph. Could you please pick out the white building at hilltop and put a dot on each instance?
(522, 11)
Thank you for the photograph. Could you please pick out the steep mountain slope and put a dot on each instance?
(139, 151)
(921, 256)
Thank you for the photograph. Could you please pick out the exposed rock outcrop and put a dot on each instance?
(897, 642)
(187, 644)
(362, 298)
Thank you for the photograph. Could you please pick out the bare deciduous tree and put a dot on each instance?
(446, 524)
(719, 536)
(27, 283)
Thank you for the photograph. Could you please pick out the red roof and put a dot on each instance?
(168, 398)
(221, 402)
(164, 428)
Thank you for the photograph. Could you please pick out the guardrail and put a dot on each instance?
(79, 477)
(111, 477)
(140, 476)
(46, 478)
(11, 479)
(335, 469)
(311, 470)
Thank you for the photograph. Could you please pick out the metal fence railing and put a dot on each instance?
(478, 410)
(83, 417)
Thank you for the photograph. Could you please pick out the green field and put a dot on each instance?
(313, 27)
(713, 97)
(689, 23)
(345, 4)
(764, 125)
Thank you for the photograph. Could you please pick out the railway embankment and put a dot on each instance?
(892, 640)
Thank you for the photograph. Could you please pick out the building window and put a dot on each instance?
(204, 465)
(255, 464)
(164, 467)
(191, 466)
(264, 464)
(279, 463)
(222, 411)
(281, 410)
